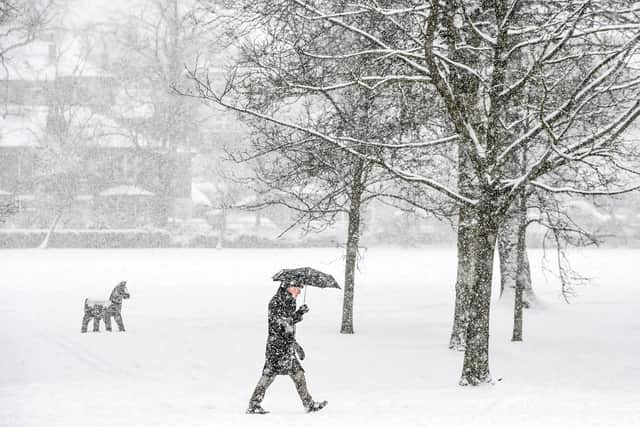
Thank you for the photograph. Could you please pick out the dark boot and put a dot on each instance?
(315, 406)
(256, 409)
(258, 395)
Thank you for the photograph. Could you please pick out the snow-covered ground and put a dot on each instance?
(196, 328)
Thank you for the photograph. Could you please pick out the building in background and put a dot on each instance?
(69, 143)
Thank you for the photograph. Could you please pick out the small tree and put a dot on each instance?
(307, 174)
(6, 210)
(317, 181)
(70, 127)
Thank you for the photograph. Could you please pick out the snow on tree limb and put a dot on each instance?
(584, 192)
(345, 144)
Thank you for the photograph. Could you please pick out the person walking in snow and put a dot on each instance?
(282, 348)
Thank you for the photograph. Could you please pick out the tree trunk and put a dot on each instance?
(47, 238)
(465, 276)
(353, 237)
(475, 369)
(166, 190)
(521, 279)
(223, 229)
(467, 226)
(508, 250)
(467, 89)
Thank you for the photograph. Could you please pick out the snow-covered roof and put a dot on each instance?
(99, 130)
(198, 198)
(42, 60)
(29, 62)
(212, 187)
(26, 127)
(125, 190)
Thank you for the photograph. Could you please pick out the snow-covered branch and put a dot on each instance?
(573, 190)
(349, 145)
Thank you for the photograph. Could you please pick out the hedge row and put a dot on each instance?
(251, 241)
(134, 238)
(32, 238)
(23, 238)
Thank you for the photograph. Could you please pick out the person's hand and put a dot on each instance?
(303, 309)
(299, 351)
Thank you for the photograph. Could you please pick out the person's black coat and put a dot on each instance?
(281, 342)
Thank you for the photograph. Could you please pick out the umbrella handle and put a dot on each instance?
(304, 297)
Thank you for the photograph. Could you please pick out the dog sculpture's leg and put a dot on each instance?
(85, 321)
(107, 320)
(96, 323)
(119, 321)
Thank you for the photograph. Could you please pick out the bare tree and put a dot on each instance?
(319, 183)
(21, 21)
(149, 46)
(6, 210)
(72, 125)
(562, 231)
(579, 66)
(305, 173)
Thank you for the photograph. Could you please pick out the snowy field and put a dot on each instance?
(196, 329)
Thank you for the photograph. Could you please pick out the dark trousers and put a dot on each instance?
(267, 379)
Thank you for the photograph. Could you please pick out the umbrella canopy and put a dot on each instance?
(307, 276)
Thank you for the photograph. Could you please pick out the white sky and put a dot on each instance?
(82, 12)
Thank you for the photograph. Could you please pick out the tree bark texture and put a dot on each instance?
(508, 253)
(475, 369)
(467, 225)
(467, 250)
(467, 89)
(521, 280)
(353, 238)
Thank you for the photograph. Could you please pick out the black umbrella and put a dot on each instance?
(307, 276)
